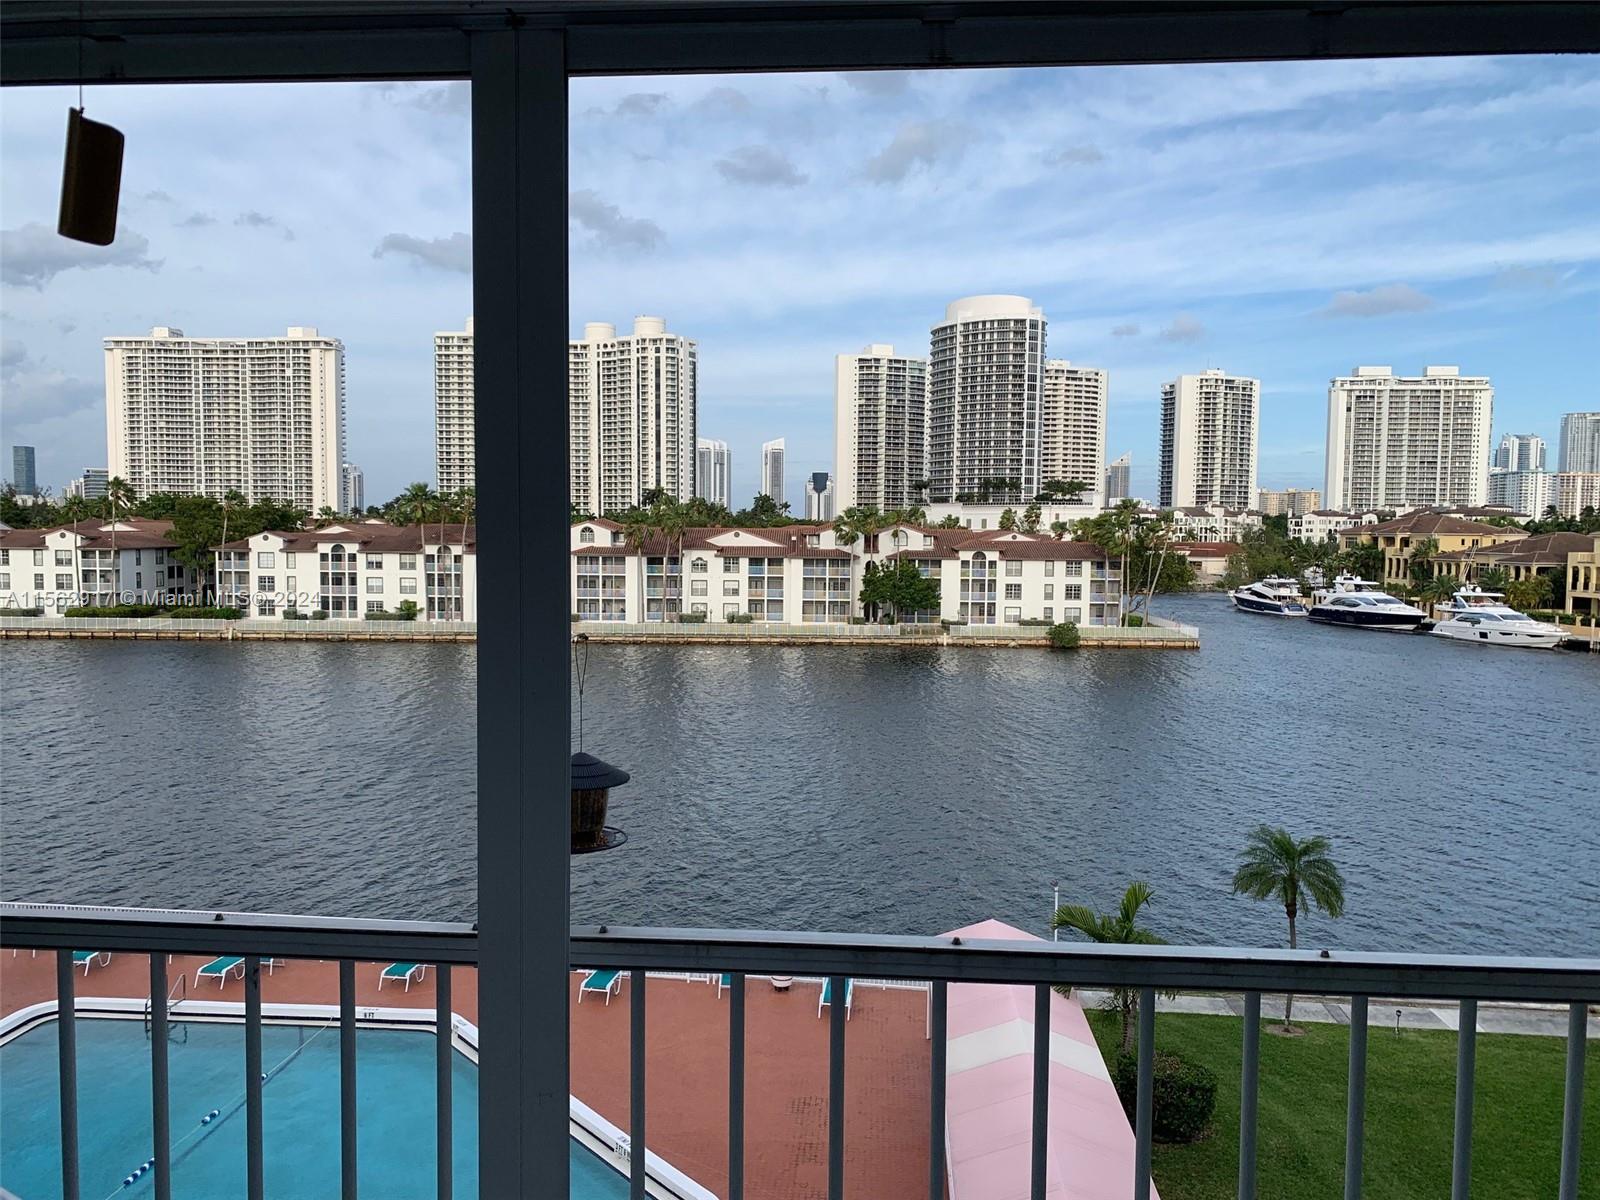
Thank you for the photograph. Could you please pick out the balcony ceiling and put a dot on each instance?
(217, 40)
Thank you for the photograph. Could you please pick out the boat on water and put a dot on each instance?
(1362, 604)
(1275, 595)
(1474, 615)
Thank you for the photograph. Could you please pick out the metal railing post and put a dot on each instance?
(347, 1079)
(636, 1083)
(1466, 1064)
(1143, 1104)
(1040, 1128)
(1572, 1103)
(1356, 1099)
(67, 1069)
(255, 1179)
(160, 1116)
(838, 1010)
(1249, 1081)
(444, 1068)
(736, 1086)
(938, 1025)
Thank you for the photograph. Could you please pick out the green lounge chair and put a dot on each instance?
(827, 995)
(395, 972)
(607, 983)
(220, 968)
(88, 958)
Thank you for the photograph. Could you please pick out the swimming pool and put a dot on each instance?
(300, 1114)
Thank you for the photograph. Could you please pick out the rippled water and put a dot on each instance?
(907, 790)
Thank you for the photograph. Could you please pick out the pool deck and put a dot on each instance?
(686, 1069)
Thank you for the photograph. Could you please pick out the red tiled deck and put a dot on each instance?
(686, 1069)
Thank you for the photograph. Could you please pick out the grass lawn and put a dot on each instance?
(1516, 1145)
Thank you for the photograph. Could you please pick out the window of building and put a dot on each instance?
(697, 566)
(5, 581)
(1072, 568)
(267, 608)
(288, 558)
(730, 566)
(1049, 613)
(697, 608)
(927, 541)
(138, 557)
(374, 583)
(697, 587)
(374, 562)
(1072, 591)
(586, 534)
(1013, 615)
(374, 605)
(616, 537)
(408, 587)
(5, 558)
(63, 558)
(38, 558)
(1014, 566)
(408, 562)
(63, 583)
(1049, 568)
(730, 587)
(265, 560)
(1049, 591)
(730, 610)
(266, 583)
(1013, 591)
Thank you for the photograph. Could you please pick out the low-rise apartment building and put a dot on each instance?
(127, 561)
(977, 516)
(1209, 559)
(1320, 525)
(800, 574)
(1214, 523)
(1583, 579)
(1538, 554)
(1400, 538)
(351, 569)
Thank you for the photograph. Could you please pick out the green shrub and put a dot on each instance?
(1183, 1095)
(741, 618)
(947, 622)
(1135, 620)
(294, 614)
(1064, 636)
(1034, 621)
(206, 614)
(115, 610)
(319, 614)
(692, 618)
(407, 610)
(21, 612)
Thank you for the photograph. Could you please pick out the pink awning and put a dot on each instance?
(989, 1105)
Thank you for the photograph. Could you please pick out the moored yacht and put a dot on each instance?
(1273, 595)
(1474, 615)
(1364, 605)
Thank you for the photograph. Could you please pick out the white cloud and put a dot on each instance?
(34, 254)
(453, 253)
(760, 165)
(918, 144)
(608, 226)
(1184, 328)
(1378, 302)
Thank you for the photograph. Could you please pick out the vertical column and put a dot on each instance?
(838, 1012)
(1248, 1086)
(347, 1079)
(67, 1071)
(443, 1067)
(519, 156)
(1356, 1099)
(636, 1084)
(160, 1116)
(1466, 1065)
(1144, 1122)
(1039, 1175)
(1572, 1105)
(255, 1178)
(938, 1032)
(736, 1086)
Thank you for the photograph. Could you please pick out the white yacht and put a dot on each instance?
(1364, 605)
(1474, 615)
(1274, 595)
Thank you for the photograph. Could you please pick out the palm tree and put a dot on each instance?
(1299, 873)
(415, 505)
(637, 532)
(857, 521)
(1120, 928)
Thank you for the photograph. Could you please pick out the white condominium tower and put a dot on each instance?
(772, 456)
(1405, 441)
(355, 489)
(1210, 425)
(880, 416)
(713, 472)
(819, 496)
(455, 459)
(1519, 452)
(1580, 442)
(632, 401)
(1072, 420)
(1117, 484)
(985, 374)
(206, 416)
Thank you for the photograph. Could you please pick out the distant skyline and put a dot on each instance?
(1284, 221)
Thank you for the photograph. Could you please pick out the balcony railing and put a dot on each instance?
(934, 961)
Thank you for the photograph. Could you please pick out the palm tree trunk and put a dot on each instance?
(1288, 1005)
(1126, 1005)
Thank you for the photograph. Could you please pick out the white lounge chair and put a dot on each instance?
(220, 968)
(608, 983)
(824, 1000)
(407, 971)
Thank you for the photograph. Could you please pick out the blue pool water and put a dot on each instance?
(300, 1114)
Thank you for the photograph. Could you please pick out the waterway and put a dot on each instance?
(838, 788)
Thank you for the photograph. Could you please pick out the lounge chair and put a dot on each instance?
(409, 972)
(607, 983)
(724, 983)
(88, 958)
(220, 968)
(827, 995)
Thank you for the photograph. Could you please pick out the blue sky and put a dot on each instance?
(1287, 221)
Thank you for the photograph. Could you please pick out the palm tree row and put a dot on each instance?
(1274, 865)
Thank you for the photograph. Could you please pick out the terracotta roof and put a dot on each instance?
(1207, 549)
(786, 541)
(1550, 548)
(1435, 524)
(132, 533)
(376, 536)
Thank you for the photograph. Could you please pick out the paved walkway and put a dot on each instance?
(1539, 1019)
